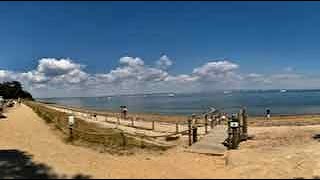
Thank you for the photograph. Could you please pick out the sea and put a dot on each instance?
(280, 102)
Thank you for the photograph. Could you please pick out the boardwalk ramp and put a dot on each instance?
(211, 144)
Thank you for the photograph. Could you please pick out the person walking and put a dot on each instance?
(124, 111)
(268, 113)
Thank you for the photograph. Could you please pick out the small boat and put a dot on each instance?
(171, 95)
(227, 92)
(283, 90)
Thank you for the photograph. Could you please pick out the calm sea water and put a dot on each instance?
(256, 102)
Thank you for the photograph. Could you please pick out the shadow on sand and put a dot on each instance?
(2, 116)
(16, 164)
(316, 137)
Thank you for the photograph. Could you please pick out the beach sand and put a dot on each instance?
(275, 152)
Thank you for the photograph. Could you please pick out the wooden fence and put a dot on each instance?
(112, 138)
(191, 127)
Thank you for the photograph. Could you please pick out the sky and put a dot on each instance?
(59, 49)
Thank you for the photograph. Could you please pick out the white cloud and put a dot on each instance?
(6, 75)
(56, 67)
(133, 69)
(34, 77)
(182, 78)
(65, 77)
(215, 67)
(219, 72)
(131, 61)
(164, 62)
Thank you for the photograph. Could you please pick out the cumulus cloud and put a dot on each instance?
(133, 68)
(49, 72)
(164, 62)
(216, 70)
(35, 77)
(6, 75)
(131, 61)
(182, 78)
(65, 77)
(56, 67)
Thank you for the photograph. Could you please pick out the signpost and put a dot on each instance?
(71, 124)
(234, 132)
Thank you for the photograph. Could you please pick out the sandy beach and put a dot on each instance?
(275, 152)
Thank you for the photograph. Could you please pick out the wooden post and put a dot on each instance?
(142, 142)
(195, 134)
(245, 124)
(211, 123)
(132, 121)
(206, 124)
(71, 122)
(177, 128)
(124, 141)
(153, 125)
(220, 118)
(70, 133)
(234, 139)
(190, 131)
(118, 120)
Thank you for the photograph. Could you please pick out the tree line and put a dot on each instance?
(13, 90)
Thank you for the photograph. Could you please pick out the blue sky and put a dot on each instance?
(261, 38)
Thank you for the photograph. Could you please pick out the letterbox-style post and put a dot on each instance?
(234, 133)
(71, 124)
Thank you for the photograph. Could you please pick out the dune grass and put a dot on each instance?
(91, 134)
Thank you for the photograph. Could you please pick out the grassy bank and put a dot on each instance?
(91, 134)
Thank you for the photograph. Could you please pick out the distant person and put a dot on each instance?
(124, 111)
(95, 116)
(268, 113)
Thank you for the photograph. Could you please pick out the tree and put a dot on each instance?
(13, 90)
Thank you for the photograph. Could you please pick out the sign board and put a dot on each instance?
(234, 124)
(71, 120)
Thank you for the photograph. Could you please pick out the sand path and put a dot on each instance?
(24, 131)
(276, 152)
